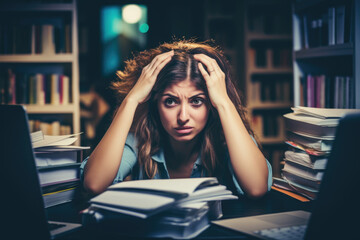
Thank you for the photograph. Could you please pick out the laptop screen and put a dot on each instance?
(23, 203)
(337, 208)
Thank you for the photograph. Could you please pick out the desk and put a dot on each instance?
(272, 202)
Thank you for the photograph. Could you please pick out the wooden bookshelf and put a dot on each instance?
(257, 37)
(268, 72)
(31, 13)
(37, 58)
(325, 51)
(221, 24)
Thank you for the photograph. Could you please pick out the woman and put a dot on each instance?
(180, 116)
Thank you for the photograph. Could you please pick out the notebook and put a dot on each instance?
(336, 211)
(22, 203)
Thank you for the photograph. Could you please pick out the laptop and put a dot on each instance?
(336, 211)
(22, 202)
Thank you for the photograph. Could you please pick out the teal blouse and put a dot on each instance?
(129, 166)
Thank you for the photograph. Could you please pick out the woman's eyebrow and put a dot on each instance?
(197, 95)
(173, 96)
(169, 95)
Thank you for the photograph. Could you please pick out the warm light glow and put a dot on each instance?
(131, 13)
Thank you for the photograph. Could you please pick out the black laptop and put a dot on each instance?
(336, 210)
(25, 215)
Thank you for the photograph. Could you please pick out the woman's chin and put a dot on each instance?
(183, 138)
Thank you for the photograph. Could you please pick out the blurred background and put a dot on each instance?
(74, 48)
(58, 58)
(255, 36)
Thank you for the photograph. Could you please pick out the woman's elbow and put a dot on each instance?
(93, 187)
(256, 193)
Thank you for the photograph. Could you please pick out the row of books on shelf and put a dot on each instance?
(268, 125)
(310, 135)
(222, 31)
(37, 88)
(271, 91)
(41, 1)
(324, 91)
(329, 27)
(276, 23)
(57, 162)
(28, 38)
(49, 128)
(268, 57)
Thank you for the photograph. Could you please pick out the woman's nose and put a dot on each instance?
(183, 116)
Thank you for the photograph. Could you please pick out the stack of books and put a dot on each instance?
(167, 208)
(310, 135)
(57, 162)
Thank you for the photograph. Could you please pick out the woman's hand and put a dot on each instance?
(147, 79)
(214, 78)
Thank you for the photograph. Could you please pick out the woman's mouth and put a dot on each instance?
(183, 130)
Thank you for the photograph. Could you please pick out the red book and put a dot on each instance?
(61, 88)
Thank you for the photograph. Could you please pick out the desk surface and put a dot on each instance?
(271, 203)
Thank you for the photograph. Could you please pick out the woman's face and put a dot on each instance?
(183, 110)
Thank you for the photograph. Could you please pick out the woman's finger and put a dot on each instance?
(161, 65)
(158, 60)
(204, 72)
(211, 64)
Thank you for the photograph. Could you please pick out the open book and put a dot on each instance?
(323, 113)
(144, 198)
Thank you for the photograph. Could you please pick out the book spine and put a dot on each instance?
(55, 97)
(40, 93)
(336, 92)
(340, 24)
(66, 89)
(352, 93)
(12, 87)
(306, 33)
(310, 91)
(47, 39)
(331, 25)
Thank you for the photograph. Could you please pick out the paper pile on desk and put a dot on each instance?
(176, 208)
(310, 135)
(57, 162)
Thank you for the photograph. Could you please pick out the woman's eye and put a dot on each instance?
(197, 101)
(169, 102)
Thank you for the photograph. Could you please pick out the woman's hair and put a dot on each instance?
(147, 126)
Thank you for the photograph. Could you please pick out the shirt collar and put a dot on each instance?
(160, 157)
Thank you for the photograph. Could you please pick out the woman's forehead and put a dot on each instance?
(183, 87)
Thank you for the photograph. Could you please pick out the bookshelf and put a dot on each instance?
(256, 37)
(326, 53)
(222, 20)
(39, 65)
(268, 73)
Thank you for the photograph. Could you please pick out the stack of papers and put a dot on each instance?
(310, 135)
(39, 140)
(57, 162)
(183, 205)
(315, 122)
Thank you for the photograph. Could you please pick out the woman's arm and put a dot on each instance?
(104, 161)
(248, 162)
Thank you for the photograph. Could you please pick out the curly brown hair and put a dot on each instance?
(147, 126)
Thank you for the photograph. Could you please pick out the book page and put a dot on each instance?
(324, 113)
(313, 120)
(55, 140)
(180, 185)
(132, 200)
